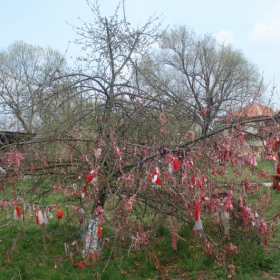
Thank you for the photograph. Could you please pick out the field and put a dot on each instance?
(30, 251)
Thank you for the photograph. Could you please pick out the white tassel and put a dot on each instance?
(170, 168)
(45, 219)
(225, 221)
(94, 180)
(15, 216)
(40, 217)
(154, 178)
(198, 225)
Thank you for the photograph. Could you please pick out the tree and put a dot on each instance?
(113, 48)
(134, 158)
(25, 74)
(212, 77)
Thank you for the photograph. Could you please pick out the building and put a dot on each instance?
(258, 118)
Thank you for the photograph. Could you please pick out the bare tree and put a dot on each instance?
(112, 47)
(212, 78)
(25, 73)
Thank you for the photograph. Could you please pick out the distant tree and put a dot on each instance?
(25, 75)
(206, 77)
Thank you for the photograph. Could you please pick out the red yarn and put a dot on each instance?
(18, 211)
(99, 231)
(59, 214)
(89, 178)
(176, 164)
(158, 181)
(196, 211)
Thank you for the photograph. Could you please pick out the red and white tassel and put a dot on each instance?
(40, 216)
(156, 178)
(91, 177)
(17, 213)
(173, 165)
(197, 220)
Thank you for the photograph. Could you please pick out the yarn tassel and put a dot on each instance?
(99, 231)
(40, 217)
(198, 224)
(17, 213)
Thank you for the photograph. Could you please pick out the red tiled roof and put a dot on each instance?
(254, 110)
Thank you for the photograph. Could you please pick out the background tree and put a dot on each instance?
(25, 74)
(208, 78)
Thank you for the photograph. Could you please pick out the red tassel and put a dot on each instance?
(158, 181)
(156, 171)
(193, 179)
(59, 214)
(196, 211)
(89, 178)
(18, 211)
(176, 164)
(37, 218)
(99, 231)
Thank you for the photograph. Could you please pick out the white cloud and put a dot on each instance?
(225, 36)
(267, 29)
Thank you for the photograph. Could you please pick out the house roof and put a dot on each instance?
(255, 110)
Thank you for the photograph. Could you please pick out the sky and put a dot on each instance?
(252, 26)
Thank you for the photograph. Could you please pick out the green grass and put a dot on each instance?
(32, 259)
(252, 173)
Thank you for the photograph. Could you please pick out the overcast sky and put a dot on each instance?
(252, 26)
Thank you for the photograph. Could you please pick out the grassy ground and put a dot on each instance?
(41, 254)
(30, 260)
